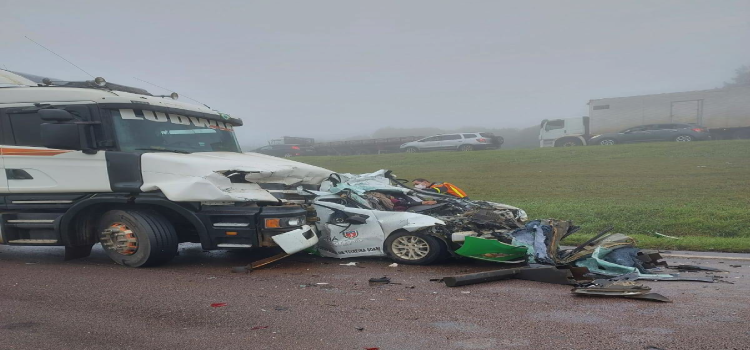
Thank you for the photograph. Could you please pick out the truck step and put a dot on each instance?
(33, 241)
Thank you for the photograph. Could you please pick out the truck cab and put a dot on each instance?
(96, 162)
(564, 132)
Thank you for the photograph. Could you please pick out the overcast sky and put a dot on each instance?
(331, 69)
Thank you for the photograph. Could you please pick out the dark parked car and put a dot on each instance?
(654, 132)
(285, 151)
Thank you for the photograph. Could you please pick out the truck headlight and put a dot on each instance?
(293, 221)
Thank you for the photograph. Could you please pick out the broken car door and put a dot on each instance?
(348, 232)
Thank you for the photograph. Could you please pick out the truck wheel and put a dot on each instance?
(413, 248)
(607, 142)
(569, 143)
(411, 150)
(466, 148)
(683, 138)
(137, 238)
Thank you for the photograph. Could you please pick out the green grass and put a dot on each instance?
(699, 191)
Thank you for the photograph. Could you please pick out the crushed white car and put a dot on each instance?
(372, 215)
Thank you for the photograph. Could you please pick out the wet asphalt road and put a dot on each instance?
(306, 302)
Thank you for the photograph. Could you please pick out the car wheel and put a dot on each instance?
(414, 248)
(411, 150)
(137, 238)
(287, 155)
(683, 138)
(607, 142)
(466, 148)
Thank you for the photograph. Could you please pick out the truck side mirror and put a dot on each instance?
(55, 115)
(61, 136)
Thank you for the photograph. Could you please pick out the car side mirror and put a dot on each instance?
(61, 136)
(356, 219)
(56, 115)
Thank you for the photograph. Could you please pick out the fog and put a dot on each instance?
(343, 69)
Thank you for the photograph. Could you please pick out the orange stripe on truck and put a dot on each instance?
(31, 152)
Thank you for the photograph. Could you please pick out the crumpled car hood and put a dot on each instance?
(205, 176)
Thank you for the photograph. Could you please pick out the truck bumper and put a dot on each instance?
(297, 240)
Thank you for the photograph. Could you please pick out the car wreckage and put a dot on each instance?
(374, 214)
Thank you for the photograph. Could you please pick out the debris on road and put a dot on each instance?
(218, 304)
(349, 264)
(540, 273)
(696, 268)
(619, 288)
(258, 327)
(380, 281)
(393, 265)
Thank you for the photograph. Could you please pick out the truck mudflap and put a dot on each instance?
(297, 240)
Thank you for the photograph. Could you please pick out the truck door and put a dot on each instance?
(32, 168)
(553, 129)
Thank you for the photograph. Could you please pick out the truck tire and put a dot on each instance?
(569, 142)
(683, 138)
(137, 238)
(465, 148)
(411, 150)
(607, 142)
(413, 248)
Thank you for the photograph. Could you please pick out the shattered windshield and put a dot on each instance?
(145, 130)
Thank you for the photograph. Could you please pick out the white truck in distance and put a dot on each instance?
(96, 162)
(724, 112)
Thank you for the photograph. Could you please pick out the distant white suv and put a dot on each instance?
(468, 141)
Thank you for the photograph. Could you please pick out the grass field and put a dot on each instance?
(699, 191)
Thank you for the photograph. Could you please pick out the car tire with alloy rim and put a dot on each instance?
(415, 248)
(607, 142)
(465, 148)
(411, 150)
(683, 138)
(137, 238)
(287, 155)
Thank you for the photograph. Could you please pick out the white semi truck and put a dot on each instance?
(724, 112)
(95, 162)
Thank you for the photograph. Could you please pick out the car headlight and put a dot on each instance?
(293, 221)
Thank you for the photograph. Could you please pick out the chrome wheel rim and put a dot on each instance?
(410, 150)
(607, 142)
(569, 144)
(466, 148)
(410, 247)
(684, 138)
(119, 238)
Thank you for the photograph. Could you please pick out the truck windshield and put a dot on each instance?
(150, 130)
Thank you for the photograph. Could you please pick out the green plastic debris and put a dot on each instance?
(490, 250)
(596, 264)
